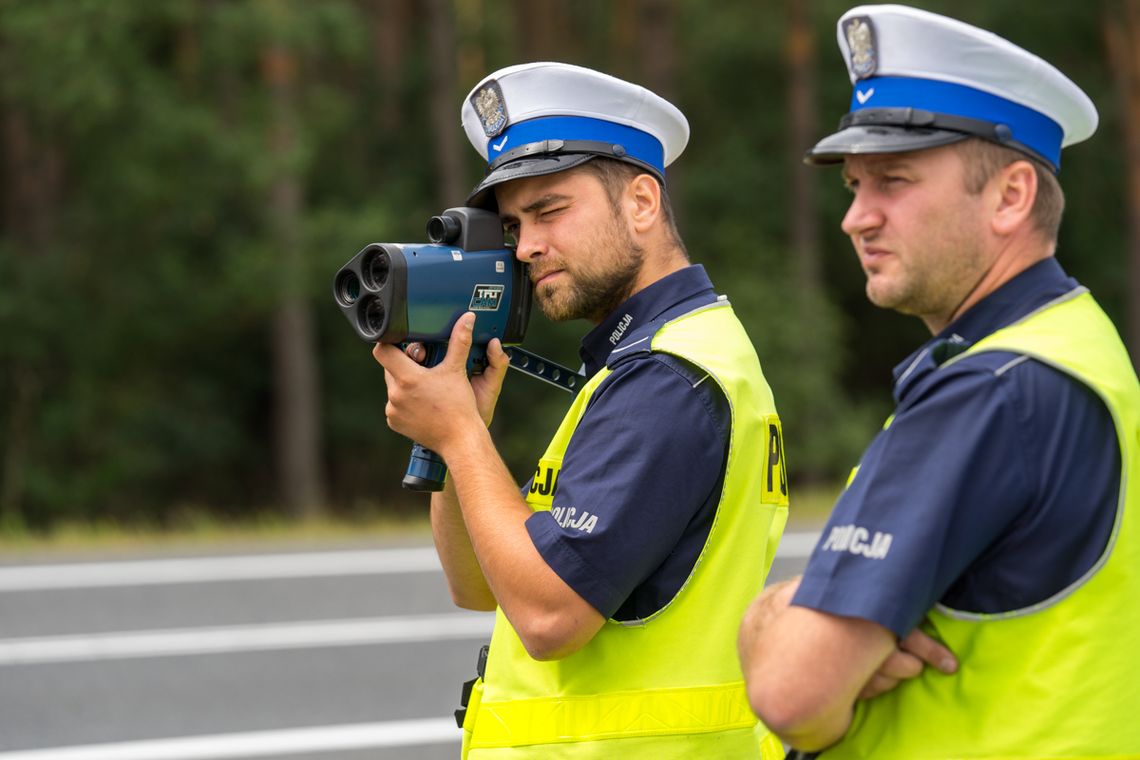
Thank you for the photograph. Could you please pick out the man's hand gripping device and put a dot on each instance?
(404, 293)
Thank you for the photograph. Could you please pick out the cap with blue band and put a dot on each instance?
(629, 142)
(1032, 129)
(923, 80)
(538, 118)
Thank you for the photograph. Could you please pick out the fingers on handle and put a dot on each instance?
(496, 356)
(416, 352)
(387, 355)
(459, 347)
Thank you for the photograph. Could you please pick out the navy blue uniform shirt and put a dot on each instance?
(994, 487)
(646, 460)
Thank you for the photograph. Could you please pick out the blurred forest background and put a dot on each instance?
(180, 179)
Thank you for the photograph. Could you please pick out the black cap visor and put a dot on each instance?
(872, 139)
(483, 196)
(546, 157)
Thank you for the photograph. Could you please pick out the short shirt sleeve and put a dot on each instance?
(632, 508)
(989, 490)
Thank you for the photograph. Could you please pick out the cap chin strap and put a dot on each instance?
(918, 118)
(567, 147)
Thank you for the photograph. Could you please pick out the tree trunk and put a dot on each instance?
(543, 30)
(656, 26)
(24, 387)
(444, 104)
(801, 129)
(628, 61)
(1122, 38)
(472, 62)
(657, 35)
(391, 28)
(31, 196)
(33, 183)
(297, 412)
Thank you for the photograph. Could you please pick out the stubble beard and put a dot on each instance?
(933, 283)
(594, 289)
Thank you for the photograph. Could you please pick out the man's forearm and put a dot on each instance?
(805, 668)
(549, 616)
(494, 515)
(771, 601)
(465, 578)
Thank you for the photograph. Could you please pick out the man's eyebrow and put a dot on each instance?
(537, 205)
(547, 200)
(876, 167)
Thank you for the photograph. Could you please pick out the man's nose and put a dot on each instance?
(530, 244)
(863, 215)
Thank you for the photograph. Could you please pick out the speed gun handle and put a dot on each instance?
(426, 470)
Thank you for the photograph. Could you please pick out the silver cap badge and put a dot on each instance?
(861, 41)
(491, 108)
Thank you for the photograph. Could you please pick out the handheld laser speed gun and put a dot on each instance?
(404, 293)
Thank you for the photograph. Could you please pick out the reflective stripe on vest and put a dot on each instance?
(689, 710)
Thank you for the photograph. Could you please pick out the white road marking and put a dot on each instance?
(217, 640)
(213, 569)
(260, 567)
(223, 640)
(796, 545)
(397, 733)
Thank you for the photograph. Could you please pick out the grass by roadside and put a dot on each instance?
(810, 506)
(809, 509)
(210, 534)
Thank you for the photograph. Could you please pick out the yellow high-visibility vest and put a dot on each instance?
(669, 686)
(1059, 679)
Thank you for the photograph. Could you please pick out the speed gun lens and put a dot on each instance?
(375, 268)
(347, 288)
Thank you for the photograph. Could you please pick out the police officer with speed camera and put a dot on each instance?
(1001, 498)
(621, 570)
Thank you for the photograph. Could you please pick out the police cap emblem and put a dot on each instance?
(491, 108)
(861, 43)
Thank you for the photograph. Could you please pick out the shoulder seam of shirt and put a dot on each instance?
(1010, 365)
(666, 361)
(630, 345)
(709, 409)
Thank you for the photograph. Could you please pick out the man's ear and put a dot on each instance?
(643, 202)
(1015, 189)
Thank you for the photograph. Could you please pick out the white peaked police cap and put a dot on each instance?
(923, 80)
(538, 118)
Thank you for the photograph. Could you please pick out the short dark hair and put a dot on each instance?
(983, 159)
(615, 175)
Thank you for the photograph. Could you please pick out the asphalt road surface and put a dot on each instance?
(337, 653)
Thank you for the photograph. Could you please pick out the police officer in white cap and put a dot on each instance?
(999, 508)
(620, 573)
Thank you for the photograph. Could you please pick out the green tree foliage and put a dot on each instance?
(137, 258)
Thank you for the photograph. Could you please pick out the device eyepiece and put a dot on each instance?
(443, 229)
